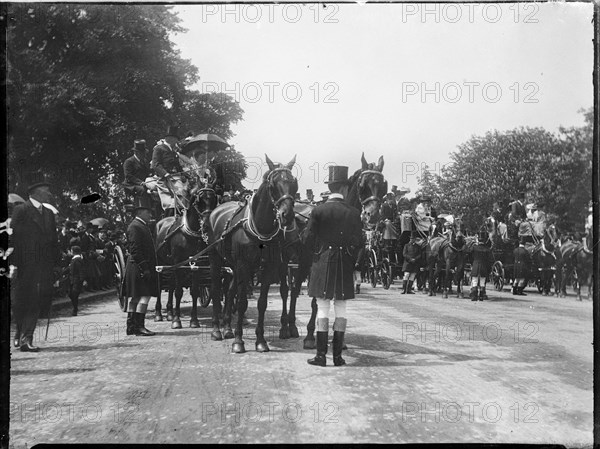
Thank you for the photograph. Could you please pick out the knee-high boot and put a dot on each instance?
(322, 337)
(131, 325)
(404, 286)
(140, 318)
(409, 288)
(339, 328)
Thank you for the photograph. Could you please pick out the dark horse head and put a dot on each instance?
(282, 186)
(203, 200)
(367, 189)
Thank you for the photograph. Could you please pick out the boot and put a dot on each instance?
(358, 289)
(409, 288)
(75, 303)
(338, 343)
(473, 294)
(322, 337)
(482, 294)
(404, 286)
(139, 328)
(514, 290)
(131, 325)
(27, 345)
(520, 291)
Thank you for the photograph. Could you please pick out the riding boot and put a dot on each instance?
(520, 291)
(473, 294)
(404, 286)
(514, 290)
(357, 289)
(140, 329)
(409, 288)
(75, 303)
(131, 324)
(322, 338)
(482, 294)
(339, 328)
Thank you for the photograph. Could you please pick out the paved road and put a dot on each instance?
(420, 369)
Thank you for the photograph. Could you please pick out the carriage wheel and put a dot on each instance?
(498, 276)
(372, 270)
(119, 261)
(386, 273)
(204, 296)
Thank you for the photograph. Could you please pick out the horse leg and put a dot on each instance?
(431, 268)
(172, 287)
(158, 309)
(261, 343)
(195, 292)
(284, 332)
(176, 323)
(230, 293)
(216, 293)
(242, 280)
(447, 280)
(309, 340)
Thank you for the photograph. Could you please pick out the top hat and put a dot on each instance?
(309, 192)
(139, 145)
(142, 202)
(337, 173)
(173, 131)
(394, 188)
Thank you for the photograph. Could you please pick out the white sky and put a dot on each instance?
(378, 59)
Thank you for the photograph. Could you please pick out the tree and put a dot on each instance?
(212, 113)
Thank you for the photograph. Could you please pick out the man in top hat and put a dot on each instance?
(141, 278)
(521, 268)
(36, 254)
(310, 196)
(483, 259)
(518, 213)
(136, 169)
(89, 244)
(334, 232)
(165, 160)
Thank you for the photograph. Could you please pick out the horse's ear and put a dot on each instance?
(363, 161)
(269, 162)
(380, 163)
(291, 163)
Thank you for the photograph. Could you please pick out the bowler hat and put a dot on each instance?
(139, 145)
(337, 173)
(173, 131)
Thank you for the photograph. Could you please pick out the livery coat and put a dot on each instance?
(483, 259)
(411, 254)
(334, 231)
(135, 172)
(522, 264)
(141, 278)
(36, 254)
(165, 160)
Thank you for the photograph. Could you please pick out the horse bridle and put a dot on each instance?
(201, 215)
(271, 186)
(360, 183)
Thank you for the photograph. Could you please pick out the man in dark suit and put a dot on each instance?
(75, 278)
(141, 278)
(36, 255)
(136, 170)
(165, 157)
(89, 244)
(517, 209)
(334, 231)
(483, 259)
(521, 267)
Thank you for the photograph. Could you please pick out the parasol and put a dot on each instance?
(202, 143)
(13, 198)
(100, 222)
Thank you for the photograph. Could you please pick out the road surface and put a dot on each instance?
(419, 369)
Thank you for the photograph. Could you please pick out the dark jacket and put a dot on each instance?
(140, 272)
(333, 225)
(135, 172)
(389, 212)
(522, 265)
(483, 259)
(76, 272)
(412, 255)
(517, 210)
(164, 160)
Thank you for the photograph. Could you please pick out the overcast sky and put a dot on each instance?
(329, 83)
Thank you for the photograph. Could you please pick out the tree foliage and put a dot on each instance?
(84, 81)
(553, 169)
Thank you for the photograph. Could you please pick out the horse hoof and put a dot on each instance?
(176, 324)
(169, 316)
(284, 334)
(310, 344)
(216, 335)
(194, 323)
(158, 318)
(228, 334)
(238, 347)
(262, 347)
(294, 332)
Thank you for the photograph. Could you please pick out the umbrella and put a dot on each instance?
(100, 222)
(197, 143)
(13, 198)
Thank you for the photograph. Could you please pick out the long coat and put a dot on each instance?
(142, 259)
(135, 172)
(517, 211)
(334, 231)
(36, 253)
(483, 259)
(522, 265)
(165, 160)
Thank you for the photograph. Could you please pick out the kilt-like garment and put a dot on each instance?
(331, 274)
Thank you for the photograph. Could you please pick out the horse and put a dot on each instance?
(177, 239)
(577, 261)
(252, 237)
(446, 252)
(365, 192)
